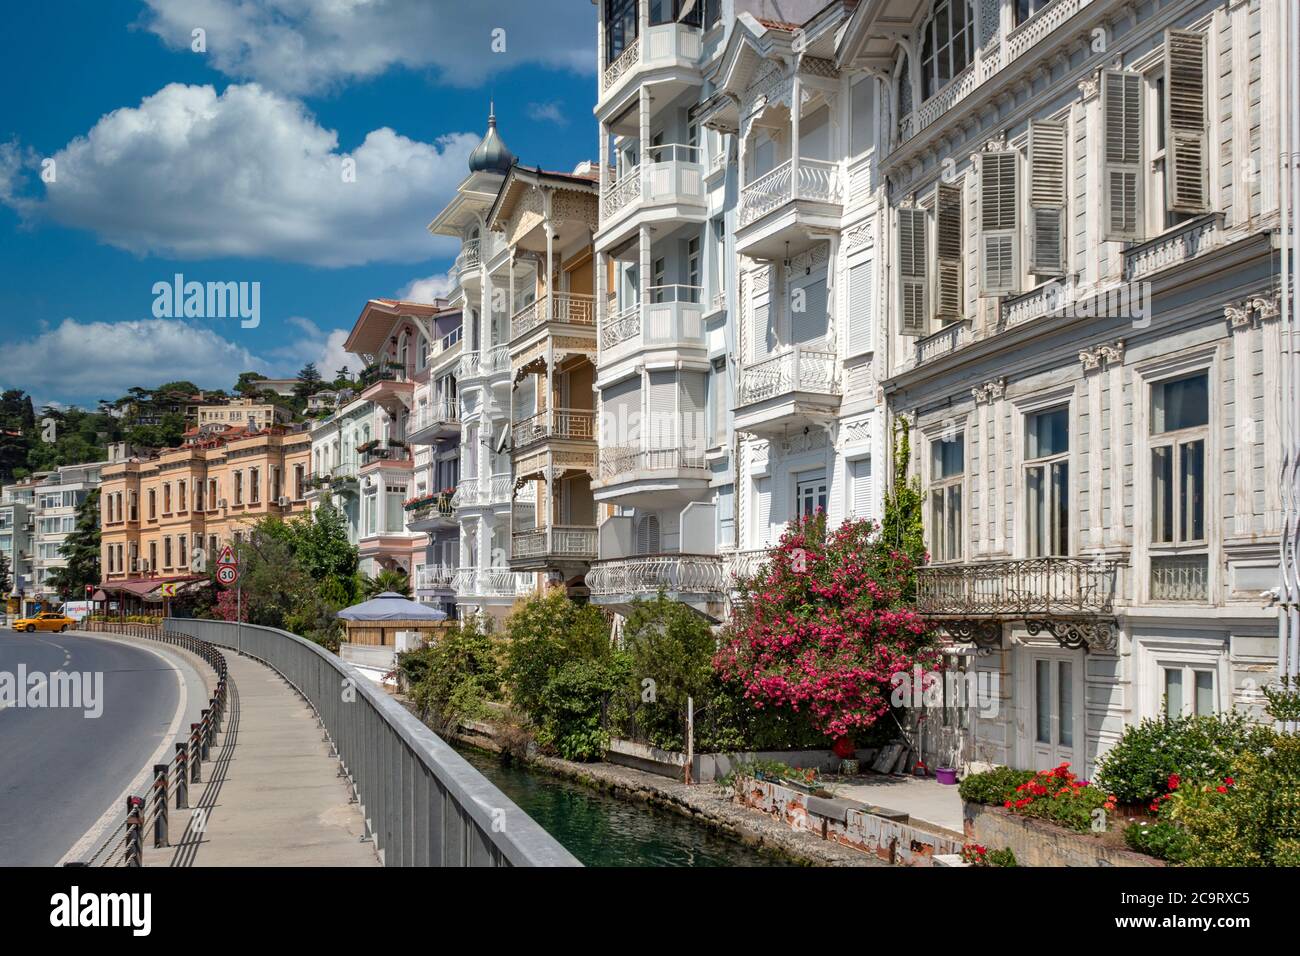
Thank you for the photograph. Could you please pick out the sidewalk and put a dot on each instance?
(928, 803)
(270, 794)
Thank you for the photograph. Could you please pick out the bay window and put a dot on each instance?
(947, 44)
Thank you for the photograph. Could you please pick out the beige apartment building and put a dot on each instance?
(156, 512)
(242, 411)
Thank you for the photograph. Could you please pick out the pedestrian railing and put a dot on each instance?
(423, 803)
(146, 818)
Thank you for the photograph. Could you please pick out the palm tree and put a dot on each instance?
(389, 579)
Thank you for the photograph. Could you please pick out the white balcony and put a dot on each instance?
(436, 420)
(539, 547)
(694, 579)
(667, 188)
(674, 319)
(489, 363)
(783, 212)
(563, 308)
(650, 477)
(483, 492)
(670, 50)
(434, 577)
(493, 583)
(797, 386)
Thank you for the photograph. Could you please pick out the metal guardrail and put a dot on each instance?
(423, 803)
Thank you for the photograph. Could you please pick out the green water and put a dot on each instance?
(602, 831)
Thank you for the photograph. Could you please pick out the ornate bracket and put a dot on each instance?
(1093, 634)
(985, 634)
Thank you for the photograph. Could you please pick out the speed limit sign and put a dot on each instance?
(227, 574)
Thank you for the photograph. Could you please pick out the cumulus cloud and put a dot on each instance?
(548, 113)
(314, 344)
(247, 173)
(80, 362)
(303, 46)
(427, 289)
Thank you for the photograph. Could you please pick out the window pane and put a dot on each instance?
(1037, 511)
(1191, 466)
(1162, 498)
(1048, 434)
(1065, 704)
(1173, 692)
(937, 526)
(1061, 513)
(949, 457)
(1043, 700)
(954, 522)
(1183, 403)
(1204, 692)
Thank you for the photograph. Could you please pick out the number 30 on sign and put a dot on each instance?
(227, 575)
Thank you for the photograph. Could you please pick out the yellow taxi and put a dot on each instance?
(45, 621)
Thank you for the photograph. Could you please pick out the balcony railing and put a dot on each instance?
(621, 327)
(673, 171)
(628, 59)
(620, 194)
(493, 582)
(443, 412)
(1032, 586)
(480, 492)
(556, 541)
(382, 453)
(648, 573)
(626, 460)
(439, 507)
(571, 424)
(672, 315)
(573, 308)
(744, 564)
(487, 363)
(1193, 238)
(818, 181)
(949, 338)
(798, 369)
(470, 256)
(434, 577)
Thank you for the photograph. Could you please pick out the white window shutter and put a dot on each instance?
(861, 490)
(759, 329)
(662, 410)
(763, 511)
(949, 278)
(809, 324)
(912, 271)
(1122, 184)
(999, 233)
(694, 423)
(647, 535)
(1186, 140)
(1047, 197)
(861, 317)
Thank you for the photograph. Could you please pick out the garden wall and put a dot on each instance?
(848, 823)
(708, 767)
(1039, 843)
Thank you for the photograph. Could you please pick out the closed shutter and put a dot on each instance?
(861, 315)
(758, 332)
(999, 213)
(763, 511)
(1186, 143)
(860, 488)
(694, 414)
(1122, 200)
(911, 271)
(661, 411)
(1047, 197)
(809, 323)
(620, 415)
(647, 535)
(947, 247)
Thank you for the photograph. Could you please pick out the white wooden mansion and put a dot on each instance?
(1081, 209)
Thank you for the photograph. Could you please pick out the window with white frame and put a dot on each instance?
(810, 494)
(862, 115)
(947, 44)
(1047, 482)
(1180, 415)
(1188, 689)
(947, 477)
(1028, 8)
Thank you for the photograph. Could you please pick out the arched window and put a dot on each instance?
(947, 44)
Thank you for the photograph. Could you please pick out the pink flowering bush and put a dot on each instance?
(823, 627)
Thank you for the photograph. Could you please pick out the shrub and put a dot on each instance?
(1160, 838)
(452, 679)
(824, 626)
(1137, 769)
(993, 787)
(1058, 795)
(574, 701)
(976, 854)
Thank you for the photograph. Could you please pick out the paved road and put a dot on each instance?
(59, 769)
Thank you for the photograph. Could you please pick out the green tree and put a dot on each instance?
(309, 382)
(81, 550)
(247, 385)
(6, 579)
(389, 579)
(451, 680)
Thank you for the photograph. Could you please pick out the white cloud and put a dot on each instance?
(314, 344)
(548, 113)
(249, 173)
(426, 289)
(80, 362)
(301, 46)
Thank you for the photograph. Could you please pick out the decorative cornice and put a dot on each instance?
(1252, 311)
(1102, 356)
(989, 390)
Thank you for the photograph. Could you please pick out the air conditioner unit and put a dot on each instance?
(144, 566)
(221, 503)
(282, 501)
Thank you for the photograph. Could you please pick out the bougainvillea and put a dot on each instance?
(822, 627)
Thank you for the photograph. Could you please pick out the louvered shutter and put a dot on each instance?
(694, 414)
(763, 510)
(860, 488)
(999, 234)
(620, 417)
(1122, 200)
(647, 535)
(1186, 141)
(911, 271)
(1047, 197)
(861, 315)
(758, 332)
(809, 325)
(947, 247)
(662, 410)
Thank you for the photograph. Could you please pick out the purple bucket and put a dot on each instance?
(945, 775)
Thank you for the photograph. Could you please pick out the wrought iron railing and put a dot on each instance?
(621, 327)
(646, 574)
(1182, 577)
(628, 59)
(570, 424)
(1031, 586)
(556, 541)
(621, 460)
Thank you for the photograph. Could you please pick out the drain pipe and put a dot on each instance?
(1288, 649)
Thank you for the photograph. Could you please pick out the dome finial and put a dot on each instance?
(491, 155)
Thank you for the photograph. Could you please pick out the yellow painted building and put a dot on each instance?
(155, 512)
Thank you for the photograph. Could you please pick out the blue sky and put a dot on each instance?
(227, 165)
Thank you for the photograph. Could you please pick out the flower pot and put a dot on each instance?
(946, 775)
(843, 748)
(849, 767)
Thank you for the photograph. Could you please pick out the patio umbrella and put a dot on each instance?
(390, 606)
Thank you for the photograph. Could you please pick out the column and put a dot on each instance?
(643, 239)
(796, 94)
(643, 147)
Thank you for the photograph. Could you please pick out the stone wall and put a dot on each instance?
(1039, 843)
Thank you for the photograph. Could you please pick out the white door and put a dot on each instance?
(1052, 733)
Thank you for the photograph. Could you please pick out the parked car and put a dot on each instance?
(45, 621)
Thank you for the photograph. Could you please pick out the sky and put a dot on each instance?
(303, 145)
